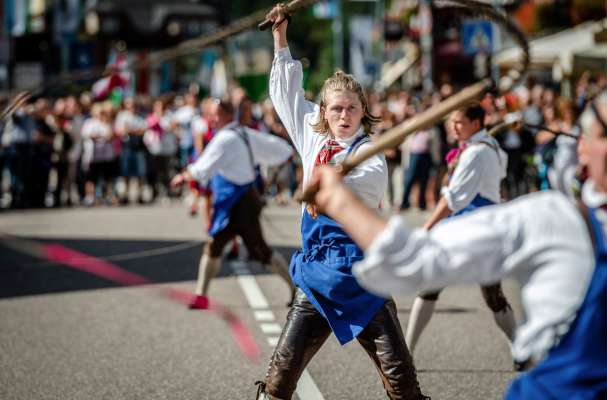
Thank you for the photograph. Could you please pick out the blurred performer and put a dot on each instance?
(229, 161)
(477, 167)
(328, 297)
(556, 249)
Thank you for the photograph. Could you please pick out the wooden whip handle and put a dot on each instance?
(289, 9)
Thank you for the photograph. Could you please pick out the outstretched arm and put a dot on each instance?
(286, 87)
(268, 149)
(441, 211)
(279, 26)
(207, 164)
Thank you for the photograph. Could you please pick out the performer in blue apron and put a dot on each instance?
(576, 368)
(229, 161)
(328, 299)
(475, 170)
(323, 271)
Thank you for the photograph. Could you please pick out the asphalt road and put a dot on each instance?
(65, 334)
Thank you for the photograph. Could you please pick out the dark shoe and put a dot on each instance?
(199, 303)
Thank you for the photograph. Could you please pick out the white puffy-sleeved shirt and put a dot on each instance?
(480, 169)
(562, 172)
(227, 155)
(540, 239)
(367, 180)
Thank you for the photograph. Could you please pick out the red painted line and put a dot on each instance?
(95, 266)
(92, 265)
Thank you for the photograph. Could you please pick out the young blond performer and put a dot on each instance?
(328, 299)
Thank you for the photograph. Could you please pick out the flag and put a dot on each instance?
(118, 77)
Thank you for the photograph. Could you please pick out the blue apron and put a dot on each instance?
(323, 270)
(576, 368)
(477, 202)
(225, 196)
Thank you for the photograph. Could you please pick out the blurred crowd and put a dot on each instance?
(76, 151)
(418, 168)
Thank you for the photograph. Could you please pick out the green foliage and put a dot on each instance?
(309, 38)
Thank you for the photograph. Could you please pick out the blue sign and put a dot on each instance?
(478, 37)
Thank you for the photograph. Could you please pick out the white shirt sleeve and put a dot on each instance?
(268, 149)
(466, 180)
(287, 94)
(551, 257)
(212, 158)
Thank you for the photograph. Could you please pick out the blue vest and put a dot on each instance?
(323, 270)
(576, 368)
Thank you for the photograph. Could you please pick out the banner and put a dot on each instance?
(363, 64)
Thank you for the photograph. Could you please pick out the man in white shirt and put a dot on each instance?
(557, 252)
(477, 167)
(229, 162)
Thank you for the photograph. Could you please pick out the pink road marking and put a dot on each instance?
(95, 266)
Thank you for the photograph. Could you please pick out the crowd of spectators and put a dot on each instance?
(76, 151)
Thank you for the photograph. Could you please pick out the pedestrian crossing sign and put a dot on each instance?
(478, 37)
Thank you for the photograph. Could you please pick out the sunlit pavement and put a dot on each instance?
(65, 334)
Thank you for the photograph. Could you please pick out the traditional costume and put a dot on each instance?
(229, 162)
(546, 243)
(328, 299)
(477, 167)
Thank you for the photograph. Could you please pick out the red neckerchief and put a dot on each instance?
(326, 153)
(329, 149)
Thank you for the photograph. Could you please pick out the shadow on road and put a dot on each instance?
(160, 261)
(465, 371)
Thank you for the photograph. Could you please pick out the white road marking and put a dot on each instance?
(264, 315)
(272, 327)
(306, 387)
(252, 292)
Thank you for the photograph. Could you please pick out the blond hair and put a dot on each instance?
(342, 82)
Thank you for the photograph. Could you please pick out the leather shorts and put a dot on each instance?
(305, 332)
